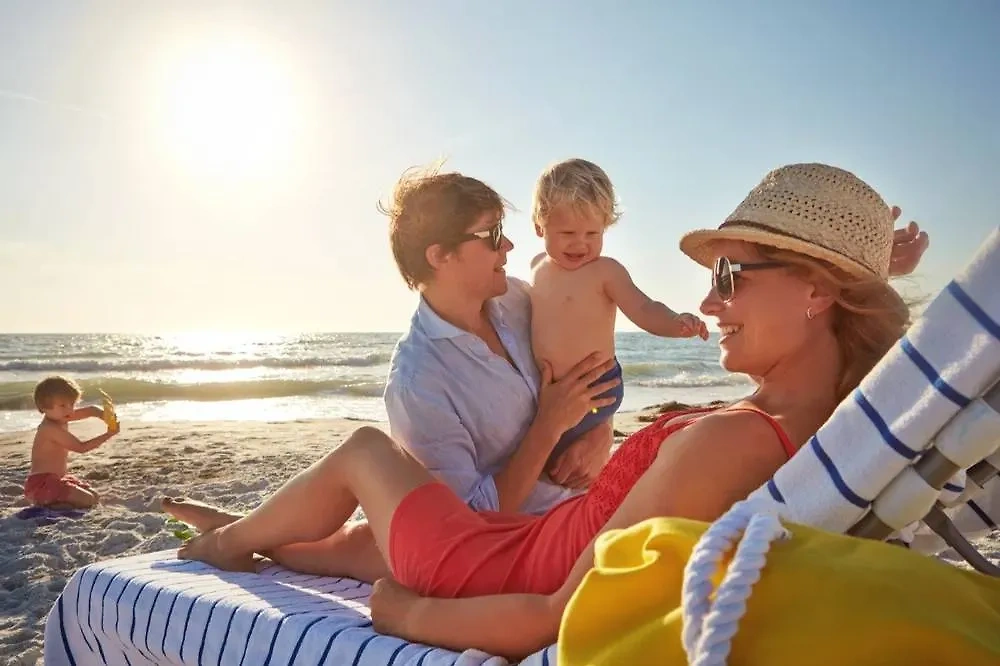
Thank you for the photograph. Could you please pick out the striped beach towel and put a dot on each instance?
(950, 356)
(156, 609)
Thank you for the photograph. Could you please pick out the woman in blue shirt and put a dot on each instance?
(464, 395)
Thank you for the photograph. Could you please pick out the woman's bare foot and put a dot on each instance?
(209, 548)
(394, 607)
(204, 517)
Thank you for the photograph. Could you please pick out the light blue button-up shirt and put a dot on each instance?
(462, 410)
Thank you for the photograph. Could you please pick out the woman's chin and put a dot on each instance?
(500, 284)
(730, 362)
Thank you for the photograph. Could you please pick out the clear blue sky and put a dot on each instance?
(178, 166)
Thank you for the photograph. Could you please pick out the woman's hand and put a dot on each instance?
(394, 608)
(908, 246)
(563, 403)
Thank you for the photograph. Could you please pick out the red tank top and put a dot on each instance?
(536, 553)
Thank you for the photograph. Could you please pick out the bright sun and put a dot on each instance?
(228, 110)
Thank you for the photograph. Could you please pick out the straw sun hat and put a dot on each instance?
(813, 209)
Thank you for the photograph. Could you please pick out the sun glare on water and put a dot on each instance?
(227, 109)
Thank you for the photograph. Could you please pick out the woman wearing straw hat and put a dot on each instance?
(800, 289)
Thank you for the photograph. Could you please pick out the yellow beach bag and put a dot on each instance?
(821, 598)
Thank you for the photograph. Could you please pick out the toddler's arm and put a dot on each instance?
(69, 441)
(647, 314)
(87, 412)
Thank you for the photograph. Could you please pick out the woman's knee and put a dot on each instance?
(367, 434)
(370, 439)
(367, 442)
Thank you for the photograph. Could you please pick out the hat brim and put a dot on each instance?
(699, 246)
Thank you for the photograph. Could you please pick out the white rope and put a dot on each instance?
(709, 626)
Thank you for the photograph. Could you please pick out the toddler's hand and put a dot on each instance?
(691, 326)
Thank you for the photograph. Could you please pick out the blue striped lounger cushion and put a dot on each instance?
(156, 609)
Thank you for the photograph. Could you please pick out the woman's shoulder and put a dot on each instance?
(415, 370)
(410, 371)
(741, 425)
(738, 415)
(518, 293)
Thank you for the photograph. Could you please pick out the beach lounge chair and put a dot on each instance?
(869, 470)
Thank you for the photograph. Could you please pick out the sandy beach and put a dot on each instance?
(232, 463)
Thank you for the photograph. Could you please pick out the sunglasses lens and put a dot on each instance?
(496, 236)
(722, 279)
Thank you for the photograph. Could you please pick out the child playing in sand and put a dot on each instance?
(576, 293)
(48, 482)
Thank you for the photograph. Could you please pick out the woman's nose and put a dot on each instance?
(711, 305)
(506, 245)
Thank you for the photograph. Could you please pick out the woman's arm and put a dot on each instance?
(703, 470)
(427, 426)
(508, 625)
(424, 421)
(561, 405)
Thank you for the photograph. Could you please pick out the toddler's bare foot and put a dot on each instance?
(203, 517)
(207, 548)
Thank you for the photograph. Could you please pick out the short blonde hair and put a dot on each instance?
(55, 387)
(578, 184)
(432, 208)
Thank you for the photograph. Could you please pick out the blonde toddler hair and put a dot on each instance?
(54, 387)
(578, 184)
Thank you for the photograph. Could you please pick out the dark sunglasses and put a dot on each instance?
(722, 275)
(493, 236)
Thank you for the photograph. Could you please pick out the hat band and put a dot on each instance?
(785, 234)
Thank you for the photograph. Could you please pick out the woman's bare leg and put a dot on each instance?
(368, 468)
(351, 551)
(203, 517)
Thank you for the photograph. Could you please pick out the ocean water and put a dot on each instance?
(207, 377)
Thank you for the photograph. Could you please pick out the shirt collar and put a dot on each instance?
(437, 328)
(496, 310)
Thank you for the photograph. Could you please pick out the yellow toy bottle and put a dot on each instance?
(110, 418)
